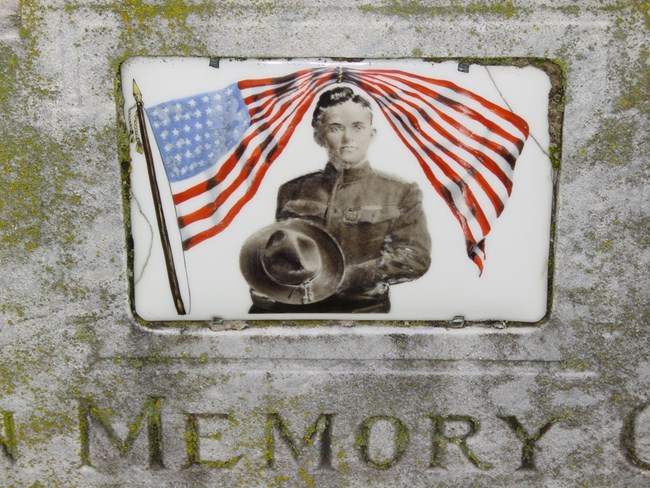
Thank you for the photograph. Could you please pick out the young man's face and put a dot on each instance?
(346, 132)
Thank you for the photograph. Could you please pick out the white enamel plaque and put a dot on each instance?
(319, 189)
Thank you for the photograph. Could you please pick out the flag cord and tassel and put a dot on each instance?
(134, 136)
(155, 193)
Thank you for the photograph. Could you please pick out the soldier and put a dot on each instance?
(375, 218)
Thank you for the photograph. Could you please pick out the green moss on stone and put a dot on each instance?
(635, 93)
(613, 142)
(44, 424)
(416, 8)
(309, 481)
(569, 9)
(575, 363)
(40, 203)
(555, 153)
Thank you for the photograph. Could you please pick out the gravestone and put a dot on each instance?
(104, 382)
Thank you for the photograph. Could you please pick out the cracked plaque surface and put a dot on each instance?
(474, 139)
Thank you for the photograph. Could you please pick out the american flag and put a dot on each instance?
(217, 146)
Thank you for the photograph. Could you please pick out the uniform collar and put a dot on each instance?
(347, 175)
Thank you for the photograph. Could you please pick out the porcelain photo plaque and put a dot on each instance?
(322, 189)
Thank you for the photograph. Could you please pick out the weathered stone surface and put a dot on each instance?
(395, 402)
(8, 19)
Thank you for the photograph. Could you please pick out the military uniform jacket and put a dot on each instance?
(376, 218)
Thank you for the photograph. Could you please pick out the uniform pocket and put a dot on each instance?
(304, 208)
(371, 214)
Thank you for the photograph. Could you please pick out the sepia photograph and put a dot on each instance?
(319, 189)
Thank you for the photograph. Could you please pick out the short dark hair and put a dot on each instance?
(337, 96)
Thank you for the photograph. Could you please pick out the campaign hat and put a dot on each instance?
(292, 261)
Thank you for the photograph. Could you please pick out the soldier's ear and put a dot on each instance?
(373, 131)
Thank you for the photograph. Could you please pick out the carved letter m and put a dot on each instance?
(322, 427)
(150, 411)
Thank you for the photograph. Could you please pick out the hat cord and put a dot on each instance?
(306, 290)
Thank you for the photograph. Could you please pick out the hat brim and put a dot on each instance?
(322, 286)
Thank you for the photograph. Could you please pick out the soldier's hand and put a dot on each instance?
(362, 276)
(261, 300)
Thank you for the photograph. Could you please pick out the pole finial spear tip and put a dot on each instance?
(136, 91)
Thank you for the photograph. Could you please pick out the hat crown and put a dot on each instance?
(291, 258)
(292, 261)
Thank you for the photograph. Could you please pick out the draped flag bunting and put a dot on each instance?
(216, 147)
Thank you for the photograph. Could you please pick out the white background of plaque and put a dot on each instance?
(513, 285)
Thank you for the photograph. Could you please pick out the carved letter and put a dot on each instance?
(322, 426)
(192, 441)
(628, 438)
(401, 440)
(8, 439)
(528, 449)
(150, 411)
(440, 440)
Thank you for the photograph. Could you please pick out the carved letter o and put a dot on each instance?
(629, 438)
(401, 440)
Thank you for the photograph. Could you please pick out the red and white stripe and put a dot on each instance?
(276, 106)
(466, 145)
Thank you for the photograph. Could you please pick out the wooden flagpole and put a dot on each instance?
(160, 216)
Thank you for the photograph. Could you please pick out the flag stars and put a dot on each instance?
(195, 132)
